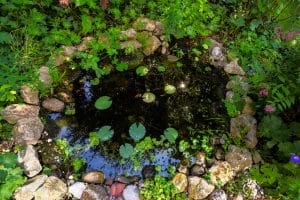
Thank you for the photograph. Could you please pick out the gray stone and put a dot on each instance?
(197, 170)
(238, 159)
(216, 54)
(44, 74)
(53, 189)
(26, 192)
(28, 130)
(218, 194)
(234, 68)
(14, 112)
(180, 181)
(93, 177)
(152, 44)
(256, 191)
(29, 161)
(221, 173)
(95, 192)
(131, 43)
(244, 126)
(145, 24)
(129, 33)
(29, 95)
(131, 192)
(53, 105)
(77, 189)
(199, 188)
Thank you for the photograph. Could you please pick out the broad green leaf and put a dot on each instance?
(103, 103)
(105, 133)
(137, 131)
(126, 150)
(8, 160)
(3, 175)
(94, 139)
(142, 70)
(5, 37)
(171, 134)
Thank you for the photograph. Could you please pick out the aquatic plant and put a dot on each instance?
(171, 134)
(137, 131)
(103, 103)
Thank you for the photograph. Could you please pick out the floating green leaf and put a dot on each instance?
(137, 131)
(105, 133)
(126, 150)
(103, 103)
(171, 134)
(142, 70)
(148, 97)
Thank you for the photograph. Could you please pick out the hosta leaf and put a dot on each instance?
(126, 150)
(103, 103)
(171, 134)
(137, 131)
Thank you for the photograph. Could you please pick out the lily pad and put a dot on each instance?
(126, 150)
(103, 103)
(105, 133)
(171, 134)
(148, 97)
(137, 131)
(142, 70)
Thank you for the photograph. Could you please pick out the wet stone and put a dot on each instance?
(200, 159)
(197, 170)
(51, 154)
(127, 180)
(93, 177)
(183, 166)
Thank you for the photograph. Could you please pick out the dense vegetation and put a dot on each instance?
(263, 34)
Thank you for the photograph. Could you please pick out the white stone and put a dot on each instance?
(77, 189)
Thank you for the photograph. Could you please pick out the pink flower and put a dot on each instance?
(64, 2)
(269, 108)
(263, 92)
(291, 35)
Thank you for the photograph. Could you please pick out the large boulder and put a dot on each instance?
(29, 95)
(53, 189)
(221, 173)
(199, 188)
(26, 192)
(14, 112)
(28, 130)
(53, 105)
(244, 126)
(238, 159)
(28, 159)
(95, 192)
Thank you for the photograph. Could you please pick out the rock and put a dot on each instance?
(180, 181)
(234, 68)
(129, 33)
(131, 192)
(238, 81)
(255, 190)
(131, 44)
(199, 188)
(65, 97)
(59, 60)
(29, 95)
(95, 192)
(216, 54)
(14, 112)
(116, 189)
(77, 189)
(44, 74)
(51, 154)
(244, 125)
(164, 48)
(238, 197)
(221, 173)
(172, 58)
(151, 45)
(159, 28)
(197, 170)
(53, 105)
(93, 177)
(200, 159)
(127, 180)
(145, 24)
(248, 106)
(133, 60)
(26, 192)
(238, 159)
(83, 46)
(53, 189)
(148, 171)
(108, 181)
(183, 166)
(29, 161)
(27, 130)
(256, 157)
(218, 194)
(220, 154)
(229, 96)
(69, 50)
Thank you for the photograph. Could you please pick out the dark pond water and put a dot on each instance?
(196, 105)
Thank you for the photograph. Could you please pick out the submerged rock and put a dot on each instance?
(199, 188)
(131, 192)
(93, 177)
(14, 112)
(29, 161)
(53, 105)
(26, 192)
(180, 180)
(28, 130)
(53, 189)
(77, 189)
(29, 95)
(238, 159)
(221, 173)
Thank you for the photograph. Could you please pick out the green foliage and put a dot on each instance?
(160, 188)
(126, 150)
(142, 70)
(171, 134)
(137, 131)
(103, 103)
(78, 163)
(11, 176)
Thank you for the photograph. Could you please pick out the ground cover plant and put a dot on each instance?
(264, 35)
